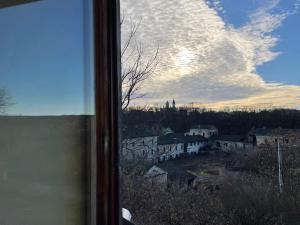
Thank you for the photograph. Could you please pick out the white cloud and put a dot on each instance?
(220, 63)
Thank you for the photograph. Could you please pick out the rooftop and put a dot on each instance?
(272, 131)
(204, 126)
(231, 138)
(155, 171)
(176, 172)
(176, 138)
(137, 132)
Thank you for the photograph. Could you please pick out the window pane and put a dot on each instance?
(46, 101)
(215, 85)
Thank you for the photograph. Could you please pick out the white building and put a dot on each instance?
(139, 144)
(194, 144)
(206, 131)
(170, 146)
(229, 143)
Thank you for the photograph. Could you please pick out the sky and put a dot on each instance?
(219, 53)
(44, 58)
(212, 53)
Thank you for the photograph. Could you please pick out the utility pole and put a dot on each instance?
(280, 180)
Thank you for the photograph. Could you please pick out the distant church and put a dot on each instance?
(167, 107)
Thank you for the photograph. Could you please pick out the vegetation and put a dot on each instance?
(250, 199)
(4, 100)
(136, 65)
(237, 122)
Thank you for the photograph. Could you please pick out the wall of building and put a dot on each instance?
(207, 133)
(141, 148)
(161, 179)
(233, 146)
(263, 139)
(170, 151)
(193, 148)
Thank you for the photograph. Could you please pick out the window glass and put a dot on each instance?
(225, 74)
(45, 108)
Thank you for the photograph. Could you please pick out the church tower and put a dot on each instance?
(174, 104)
(167, 105)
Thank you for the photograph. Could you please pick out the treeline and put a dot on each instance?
(237, 122)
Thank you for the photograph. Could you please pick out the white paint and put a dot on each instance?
(170, 151)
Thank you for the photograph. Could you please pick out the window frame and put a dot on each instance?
(107, 64)
(104, 175)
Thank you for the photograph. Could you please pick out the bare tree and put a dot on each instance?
(136, 66)
(4, 100)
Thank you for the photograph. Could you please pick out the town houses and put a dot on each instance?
(142, 144)
(229, 143)
(268, 136)
(174, 145)
(206, 131)
(139, 144)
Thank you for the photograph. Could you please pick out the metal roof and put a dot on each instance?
(177, 138)
(231, 138)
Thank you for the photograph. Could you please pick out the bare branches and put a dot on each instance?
(4, 100)
(136, 66)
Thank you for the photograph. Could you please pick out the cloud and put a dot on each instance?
(220, 65)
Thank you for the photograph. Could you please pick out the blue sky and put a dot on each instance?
(215, 53)
(42, 64)
(285, 68)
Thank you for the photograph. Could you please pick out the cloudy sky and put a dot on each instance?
(213, 53)
(219, 53)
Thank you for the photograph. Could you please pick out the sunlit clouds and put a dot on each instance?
(208, 61)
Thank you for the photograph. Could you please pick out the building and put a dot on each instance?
(170, 146)
(206, 131)
(173, 104)
(268, 136)
(175, 145)
(165, 131)
(177, 174)
(157, 176)
(139, 144)
(194, 144)
(229, 143)
(168, 106)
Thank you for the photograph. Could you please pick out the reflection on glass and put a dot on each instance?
(211, 120)
(45, 110)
